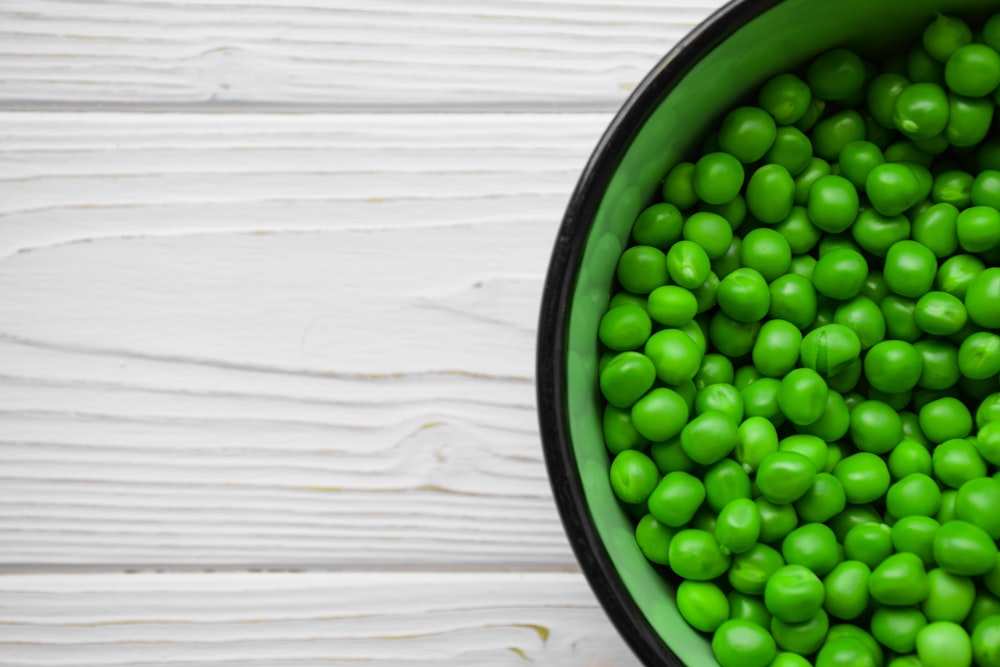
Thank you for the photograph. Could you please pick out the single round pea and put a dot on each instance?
(979, 355)
(964, 548)
(658, 225)
(791, 149)
(653, 539)
(876, 233)
(619, 431)
(937, 229)
(892, 188)
(702, 604)
(921, 110)
(633, 476)
(767, 252)
(744, 295)
(738, 526)
(812, 545)
(642, 269)
(882, 94)
(709, 230)
(986, 642)
(675, 498)
(722, 397)
(900, 318)
(793, 298)
(836, 74)
(875, 427)
(670, 457)
(940, 313)
(893, 366)
(709, 437)
(944, 419)
(943, 37)
(832, 133)
(626, 378)
(985, 605)
(951, 596)
(674, 355)
(671, 306)
(864, 476)
(978, 228)
(802, 638)
(760, 399)
(798, 231)
(915, 535)
(802, 396)
(973, 70)
(988, 410)
(845, 652)
(660, 414)
(786, 97)
(897, 627)
(696, 554)
(776, 350)
(846, 590)
(954, 187)
(752, 569)
(717, 178)
(988, 442)
(907, 457)
(944, 644)
(862, 316)
(739, 643)
(969, 120)
(835, 421)
(824, 499)
(940, 369)
(794, 594)
(624, 328)
(868, 543)
(678, 186)
(900, 579)
(725, 481)
(687, 264)
(986, 188)
(747, 133)
(784, 477)
(833, 203)
(770, 193)
(840, 273)
(915, 494)
(757, 438)
(748, 608)
(982, 299)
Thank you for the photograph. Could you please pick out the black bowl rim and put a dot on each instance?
(551, 347)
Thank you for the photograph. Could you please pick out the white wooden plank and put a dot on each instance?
(443, 54)
(304, 619)
(276, 340)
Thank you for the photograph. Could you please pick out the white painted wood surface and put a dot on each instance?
(269, 277)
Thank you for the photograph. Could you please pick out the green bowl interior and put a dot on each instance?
(777, 40)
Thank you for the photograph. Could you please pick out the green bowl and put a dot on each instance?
(709, 71)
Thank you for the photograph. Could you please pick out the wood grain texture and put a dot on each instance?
(277, 341)
(334, 54)
(304, 619)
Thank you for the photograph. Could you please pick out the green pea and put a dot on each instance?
(802, 396)
(770, 193)
(835, 421)
(840, 273)
(794, 594)
(776, 350)
(804, 180)
(670, 457)
(824, 499)
(626, 378)
(674, 355)
(760, 399)
(954, 187)
(897, 627)
(982, 299)
(951, 596)
(969, 120)
(845, 652)
(910, 268)
(846, 587)
(815, 111)
(882, 94)
(744, 295)
(748, 608)
(900, 318)
(786, 97)
(915, 494)
(729, 261)
(803, 638)
(940, 313)
(940, 369)
(702, 604)
(947, 511)
(747, 133)
(830, 349)
(717, 178)
(944, 644)
(915, 535)
(671, 306)
(625, 328)
(909, 456)
(752, 569)
(658, 225)
(675, 498)
(623, 298)
(986, 642)
(721, 397)
(832, 203)
(978, 228)
(619, 431)
(937, 229)
(739, 525)
(688, 265)
(945, 419)
(899, 580)
(863, 317)
(709, 436)
(793, 298)
(875, 427)
(836, 74)
(988, 442)
(964, 548)
(726, 481)
(988, 410)
(852, 515)
(831, 134)
(984, 606)
(678, 186)
(973, 70)
(876, 232)
(791, 149)
(653, 539)
(893, 366)
(875, 287)
(633, 476)
(892, 188)
(868, 543)
(757, 439)
(660, 414)
(704, 294)
(812, 545)
(942, 38)
(767, 252)
(857, 158)
(696, 554)
(799, 232)
(784, 477)
(739, 643)
(864, 476)
(642, 269)
(921, 110)
(709, 230)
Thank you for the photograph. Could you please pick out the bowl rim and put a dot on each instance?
(550, 370)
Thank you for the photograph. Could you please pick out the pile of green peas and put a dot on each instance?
(802, 365)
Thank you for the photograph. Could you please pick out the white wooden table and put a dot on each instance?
(269, 283)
